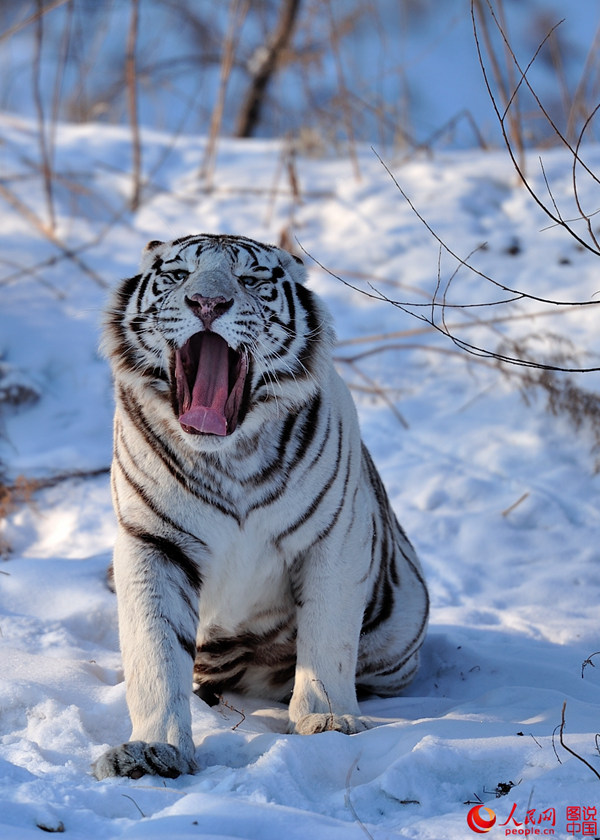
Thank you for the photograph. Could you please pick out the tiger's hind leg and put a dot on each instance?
(392, 637)
(157, 590)
(391, 681)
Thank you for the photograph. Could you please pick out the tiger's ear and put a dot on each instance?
(293, 265)
(151, 252)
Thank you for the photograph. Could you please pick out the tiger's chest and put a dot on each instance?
(245, 581)
(233, 530)
(246, 505)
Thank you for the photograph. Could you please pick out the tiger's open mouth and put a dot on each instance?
(209, 377)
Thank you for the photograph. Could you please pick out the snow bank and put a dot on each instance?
(499, 496)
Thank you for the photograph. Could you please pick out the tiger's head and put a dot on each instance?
(222, 327)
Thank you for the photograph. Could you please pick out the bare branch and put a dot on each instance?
(516, 292)
(472, 349)
(265, 61)
(238, 10)
(39, 107)
(586, 216)
(42, 10)
(556, 217)
(514, 118)
(131, 82)
(568, 749)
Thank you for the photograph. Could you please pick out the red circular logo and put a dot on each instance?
(479, 823)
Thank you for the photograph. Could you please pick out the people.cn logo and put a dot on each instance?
(478, 822)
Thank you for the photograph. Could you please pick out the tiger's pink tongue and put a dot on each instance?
(206, 420)
(206, 410)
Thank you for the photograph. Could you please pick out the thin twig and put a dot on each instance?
(331, 715)
(502, 118)
(126, 795)
(487, 322)
(334, 37)
(233, 709)
(588, 661)
(348, 800)
(514, 119)
(402, 347)
(515, 505)
(586, 216)
(11, 198)
(536, 740)
(35, 484)
(376, 389)
(518, 294)
(31, 19)
(472, 349)
(238, 10)
(568, 749)
(554, 731)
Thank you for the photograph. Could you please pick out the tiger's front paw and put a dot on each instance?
(136, 758)
(313, 723)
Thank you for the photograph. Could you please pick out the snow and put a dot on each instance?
(499, 495)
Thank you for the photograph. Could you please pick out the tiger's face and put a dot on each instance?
(222, 324)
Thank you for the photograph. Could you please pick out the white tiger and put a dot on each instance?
(257, 550)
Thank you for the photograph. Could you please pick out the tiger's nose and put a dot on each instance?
(208, 309)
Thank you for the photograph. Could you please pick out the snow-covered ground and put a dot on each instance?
(499, 496)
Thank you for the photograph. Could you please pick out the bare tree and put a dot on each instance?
(131, 82)
(263, 66)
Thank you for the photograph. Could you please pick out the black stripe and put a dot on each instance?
(141, 492)
(322, 447)
(291, 325)
(312, 337)
(334, 519)
(142, 290)
(218, 687)
(380, 605)
(387, 514)
(296, 435)
(374, 543)
(126, 290)
(310, 426)
(385, 668)
(218, 669)
(397, 666)
(284, 675)
(129, 357)
(124, 353)
(149, 501)
(166, 454)
(224, 645)
(306, 515)
(223, 662)
(188, 644)
(168, 550)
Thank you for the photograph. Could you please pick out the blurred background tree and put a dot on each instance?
(400, 73)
